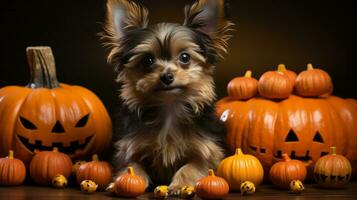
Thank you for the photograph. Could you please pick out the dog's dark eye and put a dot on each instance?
(184, 58)
(148, 61)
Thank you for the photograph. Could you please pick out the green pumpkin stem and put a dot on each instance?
(11, 154)
(239, 151)
(55, 149)
(248, 74)
(211, 172)
(95, 157)
(131, 171)
(310, 67)
(42, 68)
(286, 157)
(333, 150)
(281, 68)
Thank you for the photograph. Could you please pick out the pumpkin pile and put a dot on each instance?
(292, 114)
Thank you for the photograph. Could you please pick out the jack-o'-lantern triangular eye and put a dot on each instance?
(27, 124)
(291, 137)
(83, 121)
(58, 128)
(318, 138)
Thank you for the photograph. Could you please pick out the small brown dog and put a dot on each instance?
(168, 129)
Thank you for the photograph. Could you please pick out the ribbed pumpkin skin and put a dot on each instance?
(275, 85)
(47, 164)
(313, 82)
(98, 171)
(12, 171)
(332, 171)
(211, 187)
(243, 87)
(129, 184)
(287, 170)
(239, 168)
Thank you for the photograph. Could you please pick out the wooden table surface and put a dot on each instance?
(264, 192)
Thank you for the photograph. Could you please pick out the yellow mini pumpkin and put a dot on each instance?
(59, 181)
(161, 191)
(247, 187)
(296, 186)
(239, 168)
(88, 186)
(187, 192)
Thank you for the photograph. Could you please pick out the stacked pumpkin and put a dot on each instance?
(288, 113)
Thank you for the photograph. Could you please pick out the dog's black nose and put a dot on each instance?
(167, 78)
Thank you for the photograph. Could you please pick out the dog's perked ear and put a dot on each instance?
(122, 16)
(208, 17)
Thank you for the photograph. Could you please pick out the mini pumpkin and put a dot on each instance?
(243, 87)
(46, 114)
(187, 192)
(332, 170)
(291, 74)
(287, 170)
(247, 187)
(110, 188)
(239, 168)
(59, 181)
(12, 170)
(88, 186)
(45, 165)
(98, 171)
(275, 84)
(313, 83)
(296, 186)
(129, 184)
(211, 187)
(161, 192)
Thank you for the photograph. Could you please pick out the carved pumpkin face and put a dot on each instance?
(304, 128)
(46, 114)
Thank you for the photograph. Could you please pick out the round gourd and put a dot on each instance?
(129, 184)
(291, 74)
(333, 170)
(12, 170)
(275, 85)
(287, 170)
(211, 187)
(239, 168)
(313, 83)
(45, 114)
(45, 165)
(242, 88)
(98, 171)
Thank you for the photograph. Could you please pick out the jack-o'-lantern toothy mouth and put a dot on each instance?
(305, 158)
(323, 177)
(71, 149)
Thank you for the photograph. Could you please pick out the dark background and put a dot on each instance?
(268, 32)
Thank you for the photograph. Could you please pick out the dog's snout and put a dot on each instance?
(167, 78)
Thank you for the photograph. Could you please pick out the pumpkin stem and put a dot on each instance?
(131, 171)
(11, 154)
(333, 150)
(210, 172)
(95, 157)
(310, 67)
(286, 157)
(281, 68)
(239, 151)
(42, 67)
(248, 74)
(55, 149)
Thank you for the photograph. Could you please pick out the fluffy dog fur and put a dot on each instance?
(168, 132)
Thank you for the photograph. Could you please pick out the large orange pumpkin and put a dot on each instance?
(304, 128)
(46, 114)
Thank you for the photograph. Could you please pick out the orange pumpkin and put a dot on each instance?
(45, 165)
(243, 87)
(12, 170)
(287, 170)
(313, 82)
(304, 128)
(211, 187)
(98, 171)
(46, 114)
(129, 184)
(239, 168)
(275, 84)
(291, 74)
(332, 170)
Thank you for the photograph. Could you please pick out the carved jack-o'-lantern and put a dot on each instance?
(46, 114)
(304, 128)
